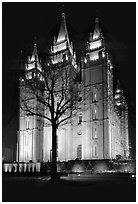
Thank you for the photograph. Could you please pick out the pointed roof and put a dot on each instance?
(35, 54)
(63, 34)
(96, 33)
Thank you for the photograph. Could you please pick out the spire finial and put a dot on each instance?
(63, 11)
(96, 33)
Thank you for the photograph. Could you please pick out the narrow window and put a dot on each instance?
(95, 151)
(26, 155)
(26, 140)
(94, 95)
(95, 132)
(94, 113)
(27, 124)
(80, 119)
(79, 151)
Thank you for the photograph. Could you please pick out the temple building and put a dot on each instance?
(99, 130)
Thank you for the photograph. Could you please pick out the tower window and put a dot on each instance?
(94, 95)
(27, 124)
(80, 119)
(94, 132)
(94, 113)
(26, 155)
(79, 151)
(26, 140)
(95, 150)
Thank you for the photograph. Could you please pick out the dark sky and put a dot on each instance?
(21, 22)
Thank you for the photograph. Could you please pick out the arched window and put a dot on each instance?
(94, 132)
(27, 123)
(26, 140)
(26, 155)
(94, 95)
(95, 113)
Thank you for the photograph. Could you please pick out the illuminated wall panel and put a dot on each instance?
(95, 44)
(59, 47)
(94, 55)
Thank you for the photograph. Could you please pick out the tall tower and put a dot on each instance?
(103, 137)
(97, 79)
(30, 135)
(122, 111)
(94, 74)
(62, 55)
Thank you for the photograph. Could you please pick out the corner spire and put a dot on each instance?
(63, 34)
(35, 53)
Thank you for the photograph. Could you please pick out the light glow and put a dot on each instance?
(118, 91)
(66, 57)
(29, 75)
(59, 47)
(78, 168)
(75, 66)
(85, 60)
(94, 55)
(96, 44)
(103, 54)
(101, 167)
(117, 96)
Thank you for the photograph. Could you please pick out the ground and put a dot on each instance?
(71, 188)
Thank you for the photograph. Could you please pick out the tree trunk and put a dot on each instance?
(54, 152)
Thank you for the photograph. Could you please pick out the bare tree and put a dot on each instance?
(55, 91)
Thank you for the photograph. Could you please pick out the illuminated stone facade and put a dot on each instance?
(100, 128)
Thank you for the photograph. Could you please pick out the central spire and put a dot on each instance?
(63, 34)
(96, 33)
(62, 48)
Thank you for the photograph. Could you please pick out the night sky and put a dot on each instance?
(21, 22)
